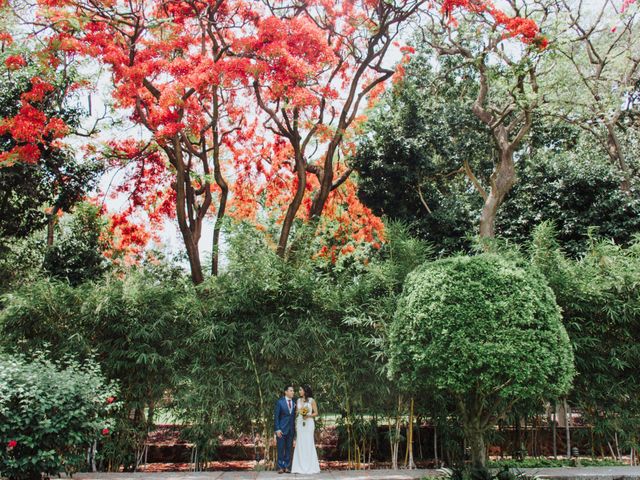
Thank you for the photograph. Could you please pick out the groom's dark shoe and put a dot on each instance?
(280, 470)
(287, 471)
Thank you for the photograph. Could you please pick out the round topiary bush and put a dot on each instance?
(49, 415)
(484, 330)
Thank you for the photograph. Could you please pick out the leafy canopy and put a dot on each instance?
(484, 326)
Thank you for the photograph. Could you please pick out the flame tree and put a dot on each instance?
(183, 70)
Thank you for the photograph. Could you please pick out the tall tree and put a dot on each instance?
(312, 90)
(177, 67)
(484, 330)
(418, 144)
(40, 177)
(599, 48)
(507, 76)
(172, 69)
(312, 113)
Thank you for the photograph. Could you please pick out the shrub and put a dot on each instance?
(484, 330)
(50, 414)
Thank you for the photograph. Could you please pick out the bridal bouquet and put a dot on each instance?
(304, 411)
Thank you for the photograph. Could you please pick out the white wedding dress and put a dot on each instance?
(305, 457)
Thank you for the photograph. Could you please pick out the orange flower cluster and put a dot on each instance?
(14, 62)
(185, 80)
(349, 225)
(30, 129)
(524, 28)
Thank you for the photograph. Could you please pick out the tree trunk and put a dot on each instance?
(518, 441)
(190, 237)
(215, 250)
(614, 150)
(408, 461)
(294, 206)
(475, 437)
(51, 225)
(554, 433)
(567, 413)
(435, 445)
(394, 435)
(224, 192)
(502, 179)
(325, 178)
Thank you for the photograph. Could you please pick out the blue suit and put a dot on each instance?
(284, 420)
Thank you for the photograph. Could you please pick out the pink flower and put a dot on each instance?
(110, 400)
(105, 431)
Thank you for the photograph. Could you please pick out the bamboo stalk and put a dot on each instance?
(554, 432)
(567, 427)
(262, 408)
(412, 464)
(613, 455)
(435, 444)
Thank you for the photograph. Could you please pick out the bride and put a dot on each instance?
(305, 458)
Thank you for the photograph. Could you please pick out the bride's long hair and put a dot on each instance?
(308, 393)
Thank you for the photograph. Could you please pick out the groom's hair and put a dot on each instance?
(287, 386)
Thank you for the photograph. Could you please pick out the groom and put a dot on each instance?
(284, 421)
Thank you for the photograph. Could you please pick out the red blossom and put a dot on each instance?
(31, 129)
(524, 28)
(12, 444)
(6, 38)
(170, 77)
(39, 89)
(21, 153)
(105, 431)
(15, 62)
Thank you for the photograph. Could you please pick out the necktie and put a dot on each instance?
(289, 402)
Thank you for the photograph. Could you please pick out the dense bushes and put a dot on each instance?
(135, 325)
(600, 299)
(217, 355)
(264, 322)
(214, 357)
(50, 414)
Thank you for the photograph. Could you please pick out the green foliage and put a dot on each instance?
(422, 132)
(551, 463)
(218, 355)
(20, 262)
(578, 192)
(483, 324)
(484, 330)
(600, 299)
(53, 413)
(417, 141)
(45, 314)
(78, 254)
(58, 181)
(135, 325)
(265, 322)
